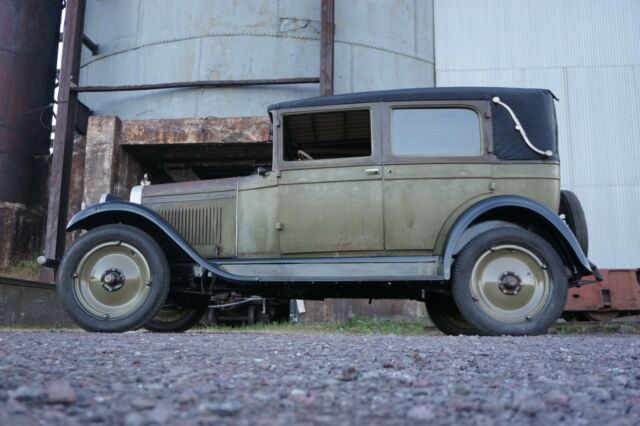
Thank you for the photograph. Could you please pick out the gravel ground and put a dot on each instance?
(262, 379)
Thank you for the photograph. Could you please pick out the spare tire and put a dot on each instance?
(573, 213)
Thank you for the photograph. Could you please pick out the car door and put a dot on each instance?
(436, 159)
(329, 184)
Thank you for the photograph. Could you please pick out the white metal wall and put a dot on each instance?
(588, 53)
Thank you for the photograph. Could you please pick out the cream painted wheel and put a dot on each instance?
(509, 281)
(112, 280)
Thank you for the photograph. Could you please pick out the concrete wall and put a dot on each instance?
(31, 307)
(588, 53)
(379, 44)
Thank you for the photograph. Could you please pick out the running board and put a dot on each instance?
(335, 269)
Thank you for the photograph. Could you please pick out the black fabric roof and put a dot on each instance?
(419, 94)
(533, 107)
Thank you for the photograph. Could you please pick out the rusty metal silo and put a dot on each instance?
(29, 32)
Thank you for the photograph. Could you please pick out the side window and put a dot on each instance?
(326, 135)
(435, 132)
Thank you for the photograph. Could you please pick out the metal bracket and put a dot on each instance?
(547, 153)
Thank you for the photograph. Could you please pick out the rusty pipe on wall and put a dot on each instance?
(28, 49)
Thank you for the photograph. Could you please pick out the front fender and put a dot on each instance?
(581, 263)
(118, 211)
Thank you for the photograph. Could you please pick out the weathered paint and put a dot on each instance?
(204, 213)
(620, 291)
(379, 44)
(323, 209)
(196, 130)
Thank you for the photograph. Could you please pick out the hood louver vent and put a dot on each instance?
(200, 226)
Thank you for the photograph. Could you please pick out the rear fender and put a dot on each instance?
(491, 208)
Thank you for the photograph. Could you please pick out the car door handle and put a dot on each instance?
(372, 171)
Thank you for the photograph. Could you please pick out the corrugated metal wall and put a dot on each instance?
(588, 53)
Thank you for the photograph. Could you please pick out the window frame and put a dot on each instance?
(376, 138)
(481, 108)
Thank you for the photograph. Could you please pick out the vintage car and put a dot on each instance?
(449, 196)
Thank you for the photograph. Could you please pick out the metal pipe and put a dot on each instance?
(199, 84)
(327, 35)
(65, 130)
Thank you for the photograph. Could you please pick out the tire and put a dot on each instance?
(445, 315)
(509, 281)
(178, 314)
(574, 216)
(133, 279)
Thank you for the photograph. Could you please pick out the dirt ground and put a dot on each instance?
(67, 378)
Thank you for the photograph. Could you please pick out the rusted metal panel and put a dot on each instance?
(28, 48)
(619, 291)
(196, 130)
(65, 130)
(327, 36)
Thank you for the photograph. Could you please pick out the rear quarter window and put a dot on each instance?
(435, 132)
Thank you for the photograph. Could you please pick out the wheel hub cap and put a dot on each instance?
(112, 280)
(510, 283)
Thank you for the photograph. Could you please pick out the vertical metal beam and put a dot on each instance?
(326, 47)
(65, 130)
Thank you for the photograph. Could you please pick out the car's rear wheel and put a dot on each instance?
(114, 278)
(178, 314)
(509, 281)
(446, 316)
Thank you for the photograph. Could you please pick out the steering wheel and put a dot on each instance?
(302, 156)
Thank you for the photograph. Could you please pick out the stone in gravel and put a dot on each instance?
(423, 413)
(26, 393)
(602, 395)
(133, 419)
(557, 398)
(60, 392)
(142, 403)
(349, 374)
(226, 408)
(531, 405)
(160, 414)
(301, 396)
(371, 375)
(621, 380)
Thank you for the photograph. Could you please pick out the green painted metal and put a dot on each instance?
(366, 206)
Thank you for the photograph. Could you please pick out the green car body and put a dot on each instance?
(350, 210)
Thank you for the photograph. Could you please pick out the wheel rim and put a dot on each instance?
(510, 283)
(112, 280)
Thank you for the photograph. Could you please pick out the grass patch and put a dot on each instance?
(27, 269)
(353, 326)
(602, 328)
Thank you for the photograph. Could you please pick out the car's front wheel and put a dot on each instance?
(509, 281)
(114, 278)
(179, 313)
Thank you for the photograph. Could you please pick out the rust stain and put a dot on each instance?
(196, 130)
